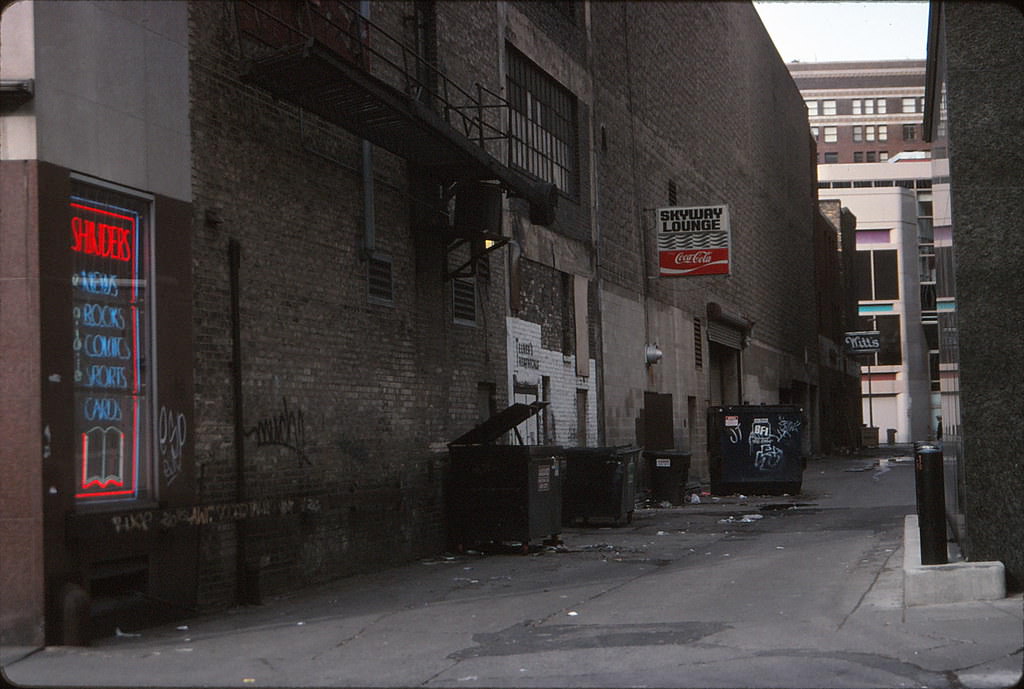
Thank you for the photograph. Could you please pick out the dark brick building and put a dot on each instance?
(285, 252)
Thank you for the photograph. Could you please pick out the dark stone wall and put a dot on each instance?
(984, 51)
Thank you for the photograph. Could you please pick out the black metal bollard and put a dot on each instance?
(931, 504)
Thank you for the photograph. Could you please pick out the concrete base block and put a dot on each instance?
(955, 582)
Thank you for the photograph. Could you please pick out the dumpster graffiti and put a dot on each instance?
(756, 448)
(762, 445)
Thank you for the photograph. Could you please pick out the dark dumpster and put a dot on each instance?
(668, 471)
(755, 449)
(599, 483)
(500, 493)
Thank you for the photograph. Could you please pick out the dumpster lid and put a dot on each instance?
(499, 424)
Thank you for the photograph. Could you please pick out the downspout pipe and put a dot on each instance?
(369, 224)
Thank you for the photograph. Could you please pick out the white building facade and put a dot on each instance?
(903, 239)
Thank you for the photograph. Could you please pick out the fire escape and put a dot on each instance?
(326, 58)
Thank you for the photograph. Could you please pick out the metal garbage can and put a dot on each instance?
(669, 470)
(755, 449)
(599, 483)
(503, 493)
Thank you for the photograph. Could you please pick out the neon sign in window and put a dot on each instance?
(107, 241)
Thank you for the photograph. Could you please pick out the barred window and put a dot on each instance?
(542, 124)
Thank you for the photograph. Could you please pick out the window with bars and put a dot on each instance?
(542, 123)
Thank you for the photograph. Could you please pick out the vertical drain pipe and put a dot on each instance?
(243, 586)
(369, 224)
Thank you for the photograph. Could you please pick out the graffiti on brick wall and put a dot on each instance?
(172, 433)
(212, 514)
(286, 428)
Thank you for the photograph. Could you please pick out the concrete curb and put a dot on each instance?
(956, 582)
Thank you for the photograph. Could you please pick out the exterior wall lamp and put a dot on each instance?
(653, 354)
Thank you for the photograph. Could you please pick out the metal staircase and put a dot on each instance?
(324, 57)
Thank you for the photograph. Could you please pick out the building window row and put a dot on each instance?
(868, 106)
(905, 183)
(863, 106)
(863, 132)
(870, 156)
(871, 132)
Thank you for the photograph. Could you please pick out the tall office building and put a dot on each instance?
(867, 120)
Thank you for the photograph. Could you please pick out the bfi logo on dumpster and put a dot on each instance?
(863, 342)
(694, 240)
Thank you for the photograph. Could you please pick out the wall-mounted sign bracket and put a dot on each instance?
(480, 244)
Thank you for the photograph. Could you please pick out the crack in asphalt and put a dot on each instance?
(874, 581)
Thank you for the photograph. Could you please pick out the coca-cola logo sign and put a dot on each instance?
(699, 257)
(693, 240)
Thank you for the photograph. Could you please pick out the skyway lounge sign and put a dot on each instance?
(693, 240)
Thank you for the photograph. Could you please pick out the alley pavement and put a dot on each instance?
(739, 591)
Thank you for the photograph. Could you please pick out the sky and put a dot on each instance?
(830, 31)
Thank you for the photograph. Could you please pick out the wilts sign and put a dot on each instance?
(693, 241)
(863, 342)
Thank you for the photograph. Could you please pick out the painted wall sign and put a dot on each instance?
(863, 342)
(694, 240)
(109, 343)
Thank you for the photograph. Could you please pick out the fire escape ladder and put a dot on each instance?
(324, 57)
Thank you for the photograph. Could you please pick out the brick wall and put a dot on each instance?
(345, 401)
(709, 108)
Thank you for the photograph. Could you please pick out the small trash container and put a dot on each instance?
(669, 470)
(755, 449)
(599, 483)
(890, 436)
(503, 493)
(869, 436)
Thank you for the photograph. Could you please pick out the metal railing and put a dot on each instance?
(479, 114)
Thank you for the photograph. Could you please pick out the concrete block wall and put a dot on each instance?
(986, 167)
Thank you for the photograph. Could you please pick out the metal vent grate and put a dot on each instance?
(464, 300)
(379, 280)
(698, 344)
